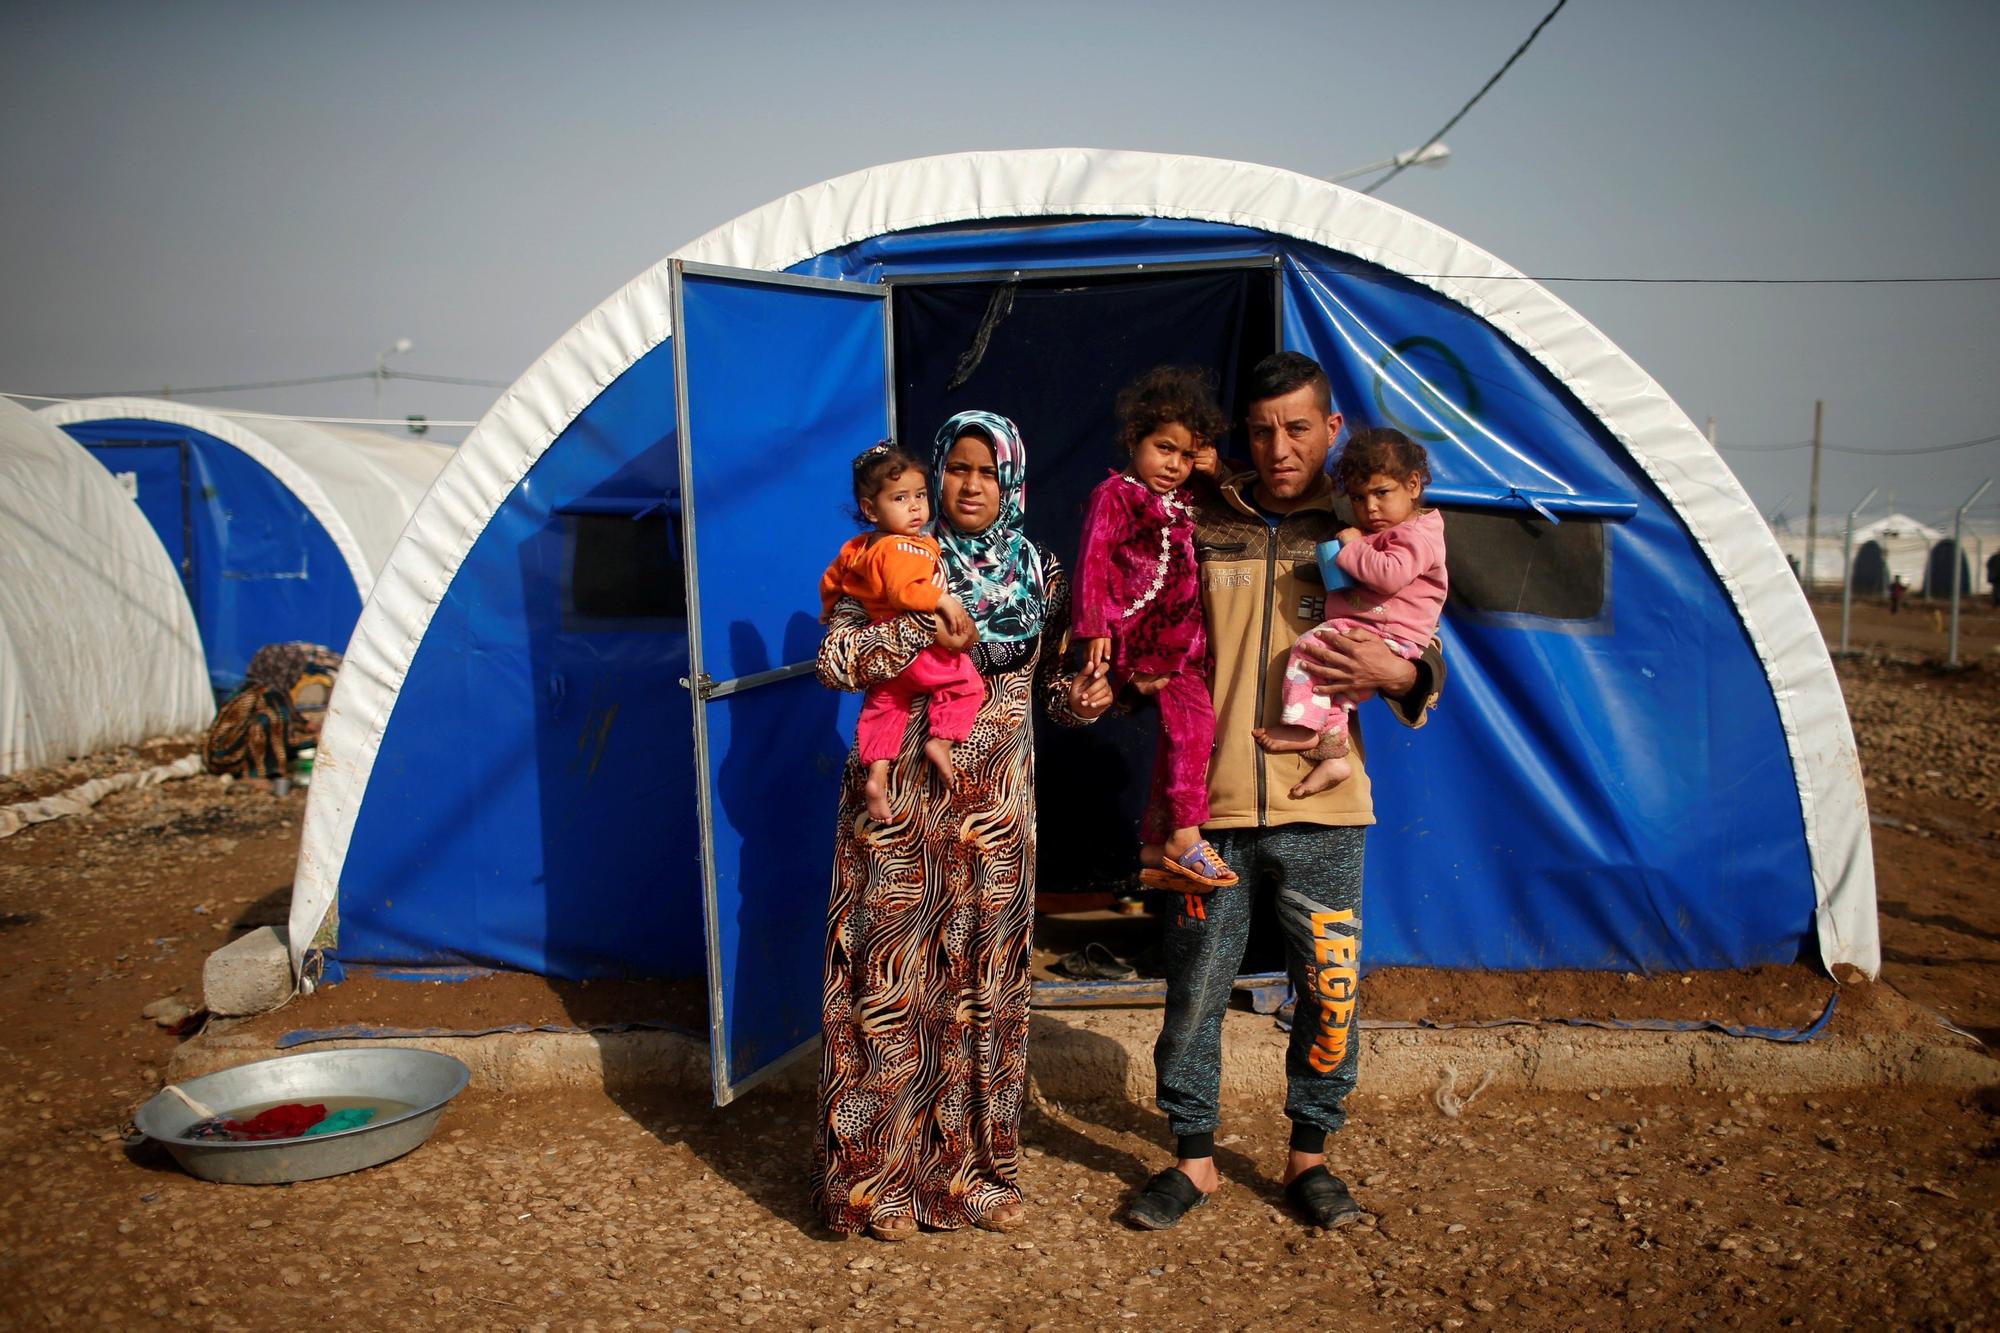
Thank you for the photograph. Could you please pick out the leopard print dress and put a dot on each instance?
(924, 1064)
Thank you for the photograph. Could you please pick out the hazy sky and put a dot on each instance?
(205, 193)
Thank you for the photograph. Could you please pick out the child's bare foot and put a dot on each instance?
(1329, 745)
(877, 791)
(1326, 773)
(1286, 739)
(938, 750)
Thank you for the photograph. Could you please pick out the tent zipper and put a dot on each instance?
(1264, 659)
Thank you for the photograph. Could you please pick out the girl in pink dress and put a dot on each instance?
(1393, 563)
(1138, 610)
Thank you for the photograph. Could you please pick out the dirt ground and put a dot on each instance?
(1615, 1209)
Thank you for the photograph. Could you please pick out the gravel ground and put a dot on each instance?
(1619, 1209)
(1589, 1211)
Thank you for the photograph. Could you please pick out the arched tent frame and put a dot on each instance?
(1051, 184)
(359, 488)
(238, 435)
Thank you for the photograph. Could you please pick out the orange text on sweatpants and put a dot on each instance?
(1335, 983)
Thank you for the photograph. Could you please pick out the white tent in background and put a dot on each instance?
(1889, 546)
(278, 527)
(1980, 538)
(97, 643)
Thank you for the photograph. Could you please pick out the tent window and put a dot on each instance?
(1502, 564)
(623, 569)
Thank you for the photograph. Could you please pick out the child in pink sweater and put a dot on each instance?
(1392, 570)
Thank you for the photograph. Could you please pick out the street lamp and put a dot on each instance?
(1430, 155)
(396, 348)
(1957, 559)
(1847, 566)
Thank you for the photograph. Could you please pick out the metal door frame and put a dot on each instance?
(698, 682)
(1175, 268)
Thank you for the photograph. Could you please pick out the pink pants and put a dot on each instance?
(1179, 796)
(1304, 707)
(955, 690)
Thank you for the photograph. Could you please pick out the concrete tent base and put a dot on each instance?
(1094, 1055)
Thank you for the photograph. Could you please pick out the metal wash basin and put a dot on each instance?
(412, 1085)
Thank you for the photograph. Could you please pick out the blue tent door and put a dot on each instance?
(781, 380)
(156, 476)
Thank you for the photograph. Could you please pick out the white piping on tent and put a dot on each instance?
(98, 645)
(263, 448)
(1095, 183)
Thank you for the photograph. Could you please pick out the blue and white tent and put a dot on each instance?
(277, 527)
(97, 646)
(577, 733)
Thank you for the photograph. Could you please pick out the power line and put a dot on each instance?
(298, 382)
(444, 379)
(247, 414)
(1858, 449)
(1722, 282)
(1401, 167)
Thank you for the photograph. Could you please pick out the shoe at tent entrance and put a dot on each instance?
(1641, 761)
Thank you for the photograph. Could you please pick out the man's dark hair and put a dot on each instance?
(1287, 372)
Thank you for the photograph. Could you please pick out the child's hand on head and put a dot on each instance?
(1207, 462)
(1096, 654)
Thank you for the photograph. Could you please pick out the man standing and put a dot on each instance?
(1256, 541)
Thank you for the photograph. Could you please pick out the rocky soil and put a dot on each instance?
(1616, 1209)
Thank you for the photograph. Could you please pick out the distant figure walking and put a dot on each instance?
(1897, 589)
(1993, 578)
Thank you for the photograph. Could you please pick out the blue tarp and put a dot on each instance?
(258, 567)
(1603, 791)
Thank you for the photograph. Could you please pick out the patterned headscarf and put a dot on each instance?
(996, 573)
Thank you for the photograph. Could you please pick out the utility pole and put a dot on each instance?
(1812, 499)
(1957, 560)
(1847, 567)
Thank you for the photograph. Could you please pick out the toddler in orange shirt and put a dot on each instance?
(890, 570)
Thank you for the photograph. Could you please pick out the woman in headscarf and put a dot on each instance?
(924, 1069)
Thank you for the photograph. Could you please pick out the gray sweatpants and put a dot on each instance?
(1314, 873)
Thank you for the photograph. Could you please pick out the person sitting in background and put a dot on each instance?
(275, 713)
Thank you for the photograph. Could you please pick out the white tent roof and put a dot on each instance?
(1068, 182)
(1905, 544)
(98, 645)
(361, 485)
(1897, 527)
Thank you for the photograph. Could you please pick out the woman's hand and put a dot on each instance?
(1090, 692)
(1149, 684)
(1354, 662)
(954, 641)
